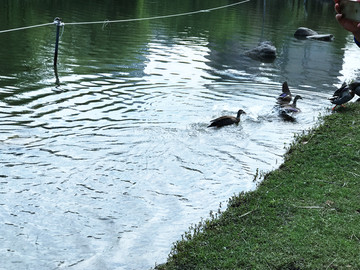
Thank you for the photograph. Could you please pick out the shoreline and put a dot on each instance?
(303, 215)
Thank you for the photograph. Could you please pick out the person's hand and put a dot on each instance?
(347, 24)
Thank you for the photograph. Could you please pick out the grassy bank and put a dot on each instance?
(304, 215)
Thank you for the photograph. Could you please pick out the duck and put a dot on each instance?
(291, 108)
(355, 87)
(344, 94)
(285, 97)
(287, 111)
(226, 120)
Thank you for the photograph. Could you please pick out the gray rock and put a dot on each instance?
(265, 51)
(304, 32)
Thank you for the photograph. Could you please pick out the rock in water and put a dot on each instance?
(265, 51)
(304, 32)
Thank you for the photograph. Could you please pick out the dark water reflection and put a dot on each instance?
(108, 168)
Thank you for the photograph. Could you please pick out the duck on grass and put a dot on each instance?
(345, 93)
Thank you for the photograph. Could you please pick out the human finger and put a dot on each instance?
(337, 8)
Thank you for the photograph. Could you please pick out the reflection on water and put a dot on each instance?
(107, 169)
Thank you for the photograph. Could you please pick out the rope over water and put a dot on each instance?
(129, 20)
(25, 27)
(161, 17)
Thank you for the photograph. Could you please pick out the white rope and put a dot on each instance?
(26, 27)
(129, 20)
(161, 17)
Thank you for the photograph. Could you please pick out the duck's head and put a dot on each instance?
(354, 84)
(240, 112)
(357, 90)
(355, 87)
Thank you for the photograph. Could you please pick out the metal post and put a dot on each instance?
(58, 23)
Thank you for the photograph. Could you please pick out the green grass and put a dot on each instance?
(304, 215)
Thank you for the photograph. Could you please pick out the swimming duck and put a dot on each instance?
(343, 94)
(226, 120)
(291, 108)
(287, 111)
(285, 96)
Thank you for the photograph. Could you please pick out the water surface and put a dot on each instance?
(107, 165)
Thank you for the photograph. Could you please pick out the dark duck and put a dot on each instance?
(288, 111)
(345, 93)
(285, 97)
(355, 86)
(226, 120)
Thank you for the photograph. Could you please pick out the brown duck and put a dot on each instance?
(226, 120)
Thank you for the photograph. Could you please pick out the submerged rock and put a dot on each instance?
(265, 51)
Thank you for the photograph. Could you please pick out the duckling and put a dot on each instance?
(226, 120)
(343, 95)
(285, 97)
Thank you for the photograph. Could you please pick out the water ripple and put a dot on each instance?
(118, 150)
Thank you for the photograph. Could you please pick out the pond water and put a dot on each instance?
(107, 165)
